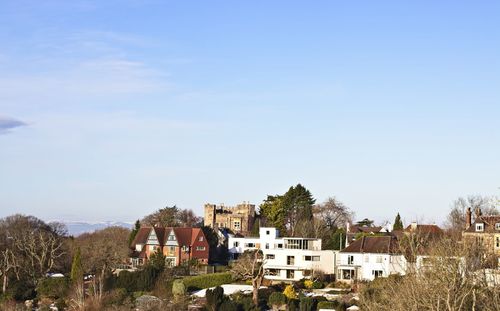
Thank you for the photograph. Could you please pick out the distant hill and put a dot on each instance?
(78, 227)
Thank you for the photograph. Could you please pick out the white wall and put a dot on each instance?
(366, 263)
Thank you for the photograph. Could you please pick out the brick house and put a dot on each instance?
(484, 231)
(178, 245)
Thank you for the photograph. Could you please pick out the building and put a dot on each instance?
(484, 231)
(370, 257)
(353, 232)
(238, 219)
(179, 245)
(286, 258)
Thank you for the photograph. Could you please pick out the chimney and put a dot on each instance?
(468, 218)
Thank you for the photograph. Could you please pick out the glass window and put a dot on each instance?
(480, 227)
(267, 245)
(290, 260)
(249, 244)
(350, 259)
(290, 274)
(315, 258)
(236, 244)
(267, 232)
(497, 226)
(270, 256)
(280, 245)
(200, 248)
(377, 273)
(307, 258)
(200, 239)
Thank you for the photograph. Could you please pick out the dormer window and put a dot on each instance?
(497, 226)
(480, 227)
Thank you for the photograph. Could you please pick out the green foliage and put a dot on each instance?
(398, 224)
(328, 305)
(365, 223)
(157, 261)
(335, 240)
(307, 304)
(276, 299)
(292, 305)
(274, 212)
(76, 267)
(134, 231)
(207, 280)
(215, 297)
(228, 305)
(178, 288)
(256, 226)
(53, 287)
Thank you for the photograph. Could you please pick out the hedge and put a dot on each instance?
(198, 282)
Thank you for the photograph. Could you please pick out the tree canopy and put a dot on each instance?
(398, 224)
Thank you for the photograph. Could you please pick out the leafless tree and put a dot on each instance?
(250, 266)
(333, 212)
(456, 218)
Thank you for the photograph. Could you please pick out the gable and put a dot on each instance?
(153, 238)
(171, 238)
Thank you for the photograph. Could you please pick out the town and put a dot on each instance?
(288, 253)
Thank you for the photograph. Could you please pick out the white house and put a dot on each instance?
(370, 257)
(286, 258)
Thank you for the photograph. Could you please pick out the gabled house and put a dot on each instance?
(370, 257)
(178, 245)
(484, 231)
(354, 231)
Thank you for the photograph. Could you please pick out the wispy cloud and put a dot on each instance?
(7, 124)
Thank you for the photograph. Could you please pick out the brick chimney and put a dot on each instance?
(468, 218)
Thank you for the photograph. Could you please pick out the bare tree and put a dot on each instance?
(456, 217)
(250, 266)
(333, 213)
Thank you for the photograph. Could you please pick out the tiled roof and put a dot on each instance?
(425, 229)
(373, 244)
(365, 229)
(489, 224)
(142, 236)
(185, 236)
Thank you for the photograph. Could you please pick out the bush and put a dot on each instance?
(327, 305)
(228, 305)
(115, 297)
(292, 305)
(308, 284)
(178, 288)
(307, 304)
(53, 287)
(206, 281)
(277, 299)
(317, 285)
(215, 297)
(289, 292)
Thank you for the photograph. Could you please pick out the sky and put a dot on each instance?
(110, 110)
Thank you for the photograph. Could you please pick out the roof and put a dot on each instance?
(424, 229)
(184, 236)
(142, 236)
(373, 244)
(488, 221)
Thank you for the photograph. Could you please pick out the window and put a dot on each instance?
(200, 239)
(290, 260)
(171, 237)
(270, 256)
(307, 258)
(267, 245)
(480, 227)
(273, 272)
(290, 274)
(200, 248)
(236, 244)
(378, 259)
(172, 249)
(280, 246)
(497, 226)
(237, 225)
(377, 273)
(316, 258)
(249, 244)
(185, 248)
(307, 273)
(311, 258)
(350, 259)
(268, 232)
(497, 241)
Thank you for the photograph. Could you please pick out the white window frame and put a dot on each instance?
(480, 227)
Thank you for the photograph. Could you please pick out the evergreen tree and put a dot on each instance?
(76, 267)
(134, 231)
(398, 224)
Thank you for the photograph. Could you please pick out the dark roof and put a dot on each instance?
(425, 229)
(373, 244)
(142, 236)
(185, 236)
(488, 221)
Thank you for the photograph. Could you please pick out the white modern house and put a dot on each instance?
(286, 258)
(370, 257)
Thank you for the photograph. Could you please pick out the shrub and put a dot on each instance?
(327, 305)
(53, 287)
(277, 299)
(317, 285)
(290, 292)
(115, 297)
(308, 284)
(208, 280)
(307, 304)
(178, 288)
(228, 305)
(215, 297)
(292, 305)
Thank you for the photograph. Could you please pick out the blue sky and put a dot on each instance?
(112, 109)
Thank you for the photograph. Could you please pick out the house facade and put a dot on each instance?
(178, 245)
(239, 218)
(285, 258)
(370, 257)
(484, 231)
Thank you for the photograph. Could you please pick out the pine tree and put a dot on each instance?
(76, 267)
(398, 224)
(134, 231)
